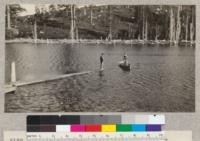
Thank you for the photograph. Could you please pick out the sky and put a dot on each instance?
(30, 8)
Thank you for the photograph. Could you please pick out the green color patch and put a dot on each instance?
(123, 127)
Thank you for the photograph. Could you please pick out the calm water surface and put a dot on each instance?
(162, 78)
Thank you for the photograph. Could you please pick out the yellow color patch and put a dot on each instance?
(108, 128)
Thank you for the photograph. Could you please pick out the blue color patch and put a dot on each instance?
(138, 127)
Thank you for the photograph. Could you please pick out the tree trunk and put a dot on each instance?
(75, 23)
(91, 16)
(129, 31)
(139, 23)
(35, 31)
(172, 26)
(191, 33)
(8, 17)
(146, 29)
(84, 11)
(186, 28)
(192, 29)
(178, 25)
(156, 38)
(110, 24)
(143, 24)
(77, 37)
(72, 23)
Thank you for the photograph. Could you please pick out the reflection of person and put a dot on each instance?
(101, 61)
(125, 59)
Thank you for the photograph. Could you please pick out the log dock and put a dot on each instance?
(12, 88)
(9, 88)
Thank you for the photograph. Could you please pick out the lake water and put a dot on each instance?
(162, 78)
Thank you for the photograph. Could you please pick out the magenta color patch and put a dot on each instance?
(77, 128)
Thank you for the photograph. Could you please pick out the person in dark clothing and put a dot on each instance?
(101, 61)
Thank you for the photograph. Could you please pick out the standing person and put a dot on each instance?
(125, 59)
(101, 61)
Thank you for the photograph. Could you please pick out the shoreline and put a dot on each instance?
(88, 41)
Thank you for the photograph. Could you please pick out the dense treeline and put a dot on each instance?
(172, 23)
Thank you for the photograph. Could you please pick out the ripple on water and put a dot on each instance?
(163, 81)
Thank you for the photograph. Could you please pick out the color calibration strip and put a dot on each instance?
(95, 119)
(95, 128)
(93, 123)
(105, 128)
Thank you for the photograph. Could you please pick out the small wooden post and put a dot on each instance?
(13, 73)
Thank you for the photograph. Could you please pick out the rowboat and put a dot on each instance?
(125, 67)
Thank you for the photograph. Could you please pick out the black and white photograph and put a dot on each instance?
(99, 58)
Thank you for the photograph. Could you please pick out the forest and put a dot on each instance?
(173, 23)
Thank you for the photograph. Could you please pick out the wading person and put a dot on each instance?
(101, 61)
